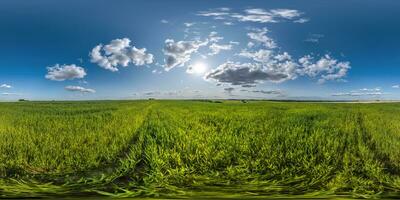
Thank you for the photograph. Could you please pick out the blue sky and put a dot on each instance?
(67, 50)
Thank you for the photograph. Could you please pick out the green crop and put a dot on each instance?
(180, 149)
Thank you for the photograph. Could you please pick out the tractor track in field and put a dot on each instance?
(383, 158)
(105, 169)
(100, 179)
(139, 168)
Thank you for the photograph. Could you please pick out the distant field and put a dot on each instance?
(199, 149)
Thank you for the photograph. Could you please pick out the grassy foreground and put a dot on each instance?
(194, 149)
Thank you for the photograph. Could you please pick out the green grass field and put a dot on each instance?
(177, 149)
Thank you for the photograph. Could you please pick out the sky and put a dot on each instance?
(320, 50)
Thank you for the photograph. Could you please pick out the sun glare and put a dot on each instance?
(197, 68)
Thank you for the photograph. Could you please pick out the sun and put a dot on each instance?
(197, 68)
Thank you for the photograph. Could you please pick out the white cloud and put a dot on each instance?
(155, 71)
(218, 12)
(164, 21)
(163, 93)
(396, 86)
(363, 92)
(262, 55)
(213, 37)
(178, 53)
(267, 60)
(224, 9)
(119, 53)
(255, 15)
(278, 63)
(245, 74)
(326, 67)
(283, 56)
(10, 94)
(275, 92)
(65, 72)
(370, 89)
(216, 48)
(5, 86)
(256, 11)
(285, 13)
(167, 94)
(269, 92)
(259, 35)
(250, 44)
(79, 89)
(187, 24)
(301, 20)
(254, 18)
(229, 23)
(358, 94)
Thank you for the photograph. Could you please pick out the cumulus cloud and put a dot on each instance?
(396, 86)
(282, 57)
(65, 72)
(270, 66)
(266, 65)
(178, 53)
(271, 61)
(260, 36)
(267, 62)
(119, 53)
(261, 55)
(257, 15)
(245, 74)
(5, 86)
(326, 67)
(164, 21)
(79, 89)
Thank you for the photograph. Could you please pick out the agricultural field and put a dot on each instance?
(183, 149)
